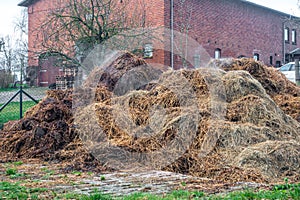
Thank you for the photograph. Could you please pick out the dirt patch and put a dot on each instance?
(228, 123)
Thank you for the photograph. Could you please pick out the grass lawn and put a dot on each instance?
(16, 191)
(12, 87)
(12, 111)
(22, 181)
(8, 89)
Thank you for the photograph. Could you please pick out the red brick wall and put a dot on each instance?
(37, 15)
(238, 28)
(235, 27)
(39, 11)
(157, 14)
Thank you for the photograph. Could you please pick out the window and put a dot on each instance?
(286, 34)
(294, 36)
(278, 63)
(88, 17)
(218, 53)
(271, 60)
(148, 51)
(256, 56)
(30, 9)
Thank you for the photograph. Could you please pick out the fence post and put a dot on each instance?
(297, 72)
(21, 102)
(21, 89)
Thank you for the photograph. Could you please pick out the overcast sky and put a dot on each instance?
(287, 6)
(9, 11)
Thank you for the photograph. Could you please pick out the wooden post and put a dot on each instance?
(297, 73)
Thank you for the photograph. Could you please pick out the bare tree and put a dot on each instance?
(8, 61)
(13, 53)
(73, 29)
(21, 29)
(29, 74)
(182, 23)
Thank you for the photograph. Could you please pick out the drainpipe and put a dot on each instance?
(283, 43)
(172, 33)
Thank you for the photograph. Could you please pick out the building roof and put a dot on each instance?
(295, 51)
(26, 3)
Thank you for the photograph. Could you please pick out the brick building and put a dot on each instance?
(224, 28)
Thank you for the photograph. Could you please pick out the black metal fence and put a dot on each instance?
(15, 102)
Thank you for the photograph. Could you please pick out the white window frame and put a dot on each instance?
(217, 53)
(148, 50)
(256, 56)
(286, 34)
(294, 35)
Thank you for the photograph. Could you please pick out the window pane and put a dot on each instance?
(294, 36)
(148, 51)
(256, 56)
(217, 53)
(286, 34)
(292, 68)
(285, 67)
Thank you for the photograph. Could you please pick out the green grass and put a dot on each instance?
(8, 89)
(291, 193)
(17, 163)
(94, 196)
(48, 172)
(15, 191)
(177, 194)
(77, 173)
(11, 88)
(11, 171)
(12, 111)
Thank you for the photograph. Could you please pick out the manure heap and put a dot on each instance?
(240, 122)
